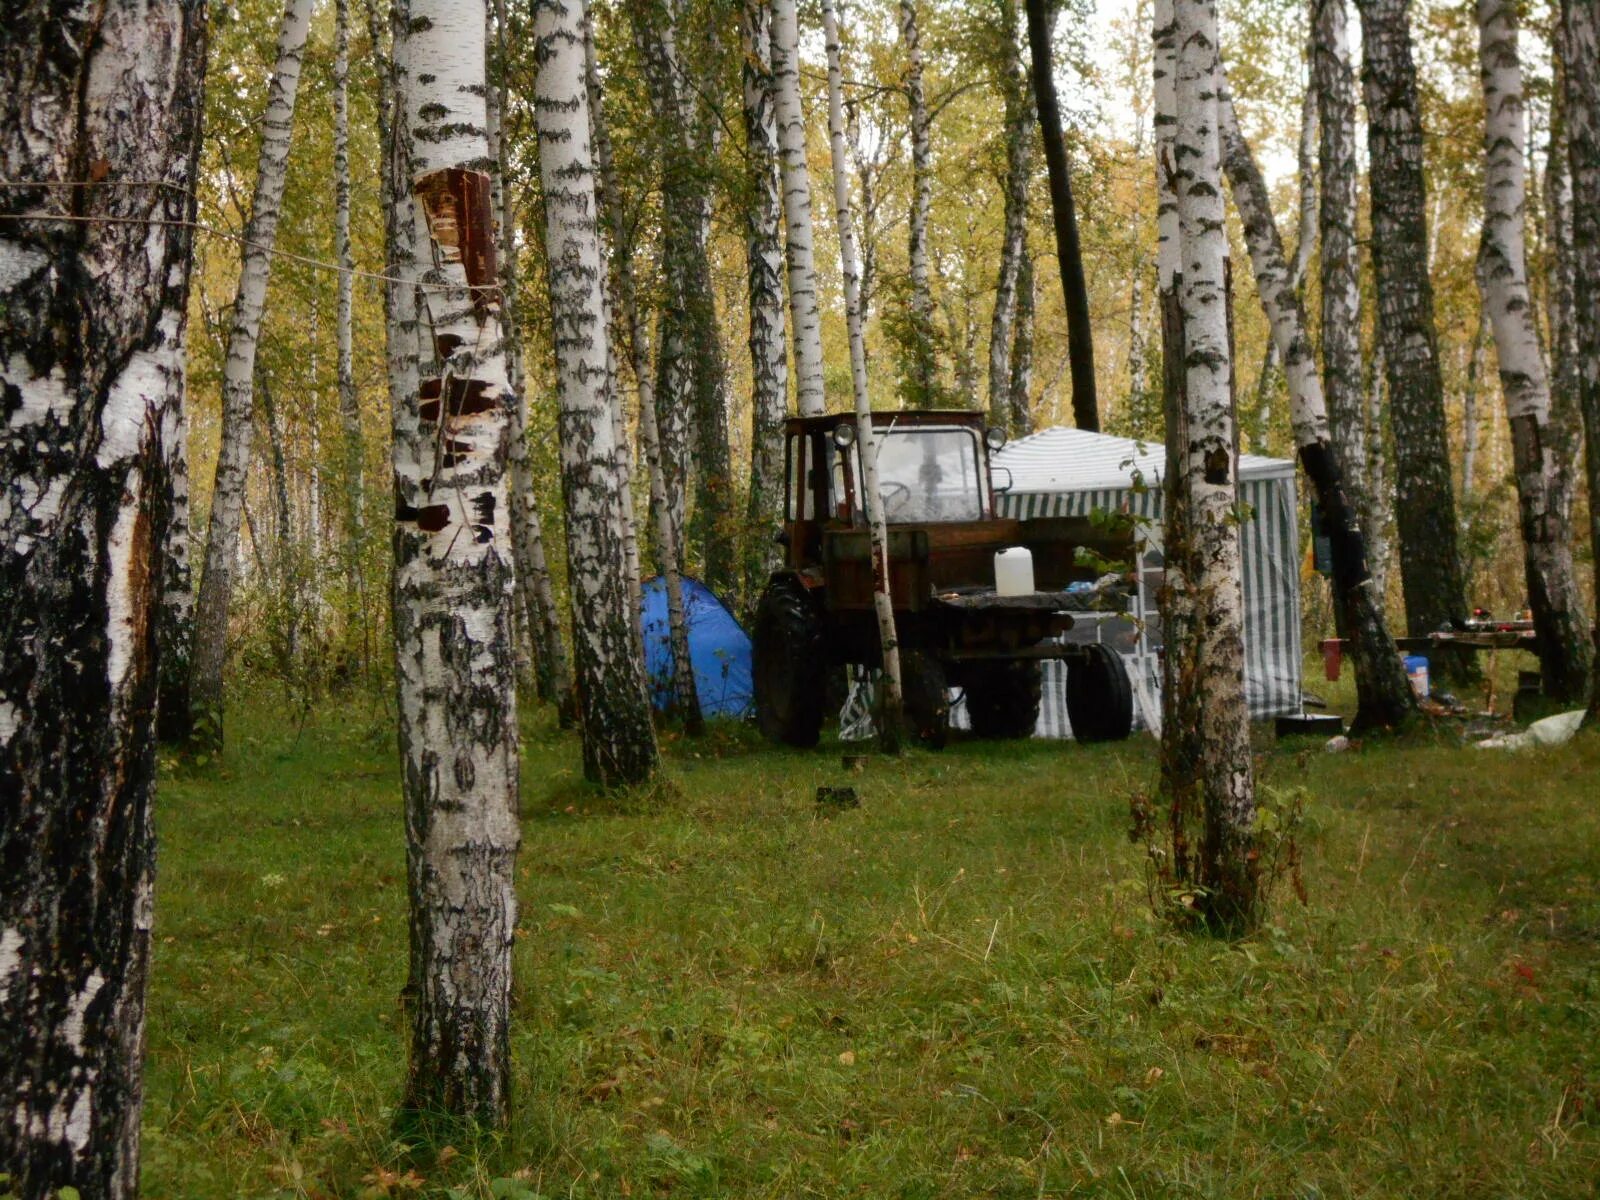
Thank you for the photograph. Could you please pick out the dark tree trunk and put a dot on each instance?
(1080, 341)
(91, 402)
(1425, 510)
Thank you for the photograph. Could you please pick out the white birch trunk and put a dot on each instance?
(1503, 276)
(454, 655)
(769, 348)
(552, 670)
(890, 719)
(92, 371)
(238, 378)
(1226, 782)
(619, 745)
(921, 376)
(1384, 695)
(796, 177)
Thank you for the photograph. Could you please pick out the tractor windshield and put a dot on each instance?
(930, 473)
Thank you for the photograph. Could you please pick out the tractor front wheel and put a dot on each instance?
(1099, 696)
(787, 664)
(1003, 698)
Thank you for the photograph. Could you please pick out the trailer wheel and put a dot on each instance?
(927, 698)
(1003, 698)
(787, 664)
(1099, 696)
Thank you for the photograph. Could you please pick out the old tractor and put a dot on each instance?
(956, 628)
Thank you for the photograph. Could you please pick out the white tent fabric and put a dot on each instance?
(1068, 472)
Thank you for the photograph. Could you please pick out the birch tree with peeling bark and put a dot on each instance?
(890, 716)
(92, 379)
(1020, 121)
(1425, 516)
(769, 346)
(1384, 699)
(806, 321)
(1503, 278)
(609, 195)
(1581, 46)
(1225, 871)
(921, 368)
(619, 745)
(238, 380)
(453, 584)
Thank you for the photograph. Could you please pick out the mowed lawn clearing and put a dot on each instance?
(957, 989)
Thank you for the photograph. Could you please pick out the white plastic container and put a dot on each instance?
(1013, 571)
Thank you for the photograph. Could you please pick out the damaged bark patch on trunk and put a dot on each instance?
(457, 204)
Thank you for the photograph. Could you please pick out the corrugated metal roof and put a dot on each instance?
(1073, 460)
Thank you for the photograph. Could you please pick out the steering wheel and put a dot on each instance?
(895, 494)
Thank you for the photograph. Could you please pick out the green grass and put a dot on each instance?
(957, 989)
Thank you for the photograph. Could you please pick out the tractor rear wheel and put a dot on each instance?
(927, 698)
(1099, 696)
(787, 664)
(1003, 698)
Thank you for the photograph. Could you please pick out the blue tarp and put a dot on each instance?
(719, 649)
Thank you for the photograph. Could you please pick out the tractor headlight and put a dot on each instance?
(994, 437)
(844, 436)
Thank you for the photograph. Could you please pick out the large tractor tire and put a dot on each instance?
(787, 664)
(1003, 698)
(927, 698)
(1099, 696)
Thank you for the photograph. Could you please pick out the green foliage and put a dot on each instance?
(957, 989)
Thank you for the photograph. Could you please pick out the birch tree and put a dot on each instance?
(1225, 871)
(686, 699)
(238, 379)
(92, 370)
(769, 347)
(553, 674)
(1333, 81)
(890, 716)
(453, 585)
(922, 367)
(1581, 46)
(349, 401)
(619, 745)
(175, 619)
(796, 182)
(1425, 517)
(1503, 277)
(1180, 697)
(1383, 694)
(1069, 254)
(1020, 121)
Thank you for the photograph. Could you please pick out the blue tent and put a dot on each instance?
(719, 649)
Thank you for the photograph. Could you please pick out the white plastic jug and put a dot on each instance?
(1013, 571)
